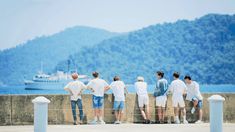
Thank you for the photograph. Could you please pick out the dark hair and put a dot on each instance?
(160, 73)
(95, 74)
(187, 77)
(176, 74)
(116, 78)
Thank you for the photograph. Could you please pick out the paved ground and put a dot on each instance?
(122, 128)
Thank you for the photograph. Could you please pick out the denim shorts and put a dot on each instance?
(199, 105)
(118, 105)
(98, 101)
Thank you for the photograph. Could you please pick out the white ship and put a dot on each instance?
(55, 81)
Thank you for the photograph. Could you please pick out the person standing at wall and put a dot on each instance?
(97, 86)
(75, 89)
(118, 87)
(143, 98)
(161, 97)
(178, 89)
(194, 96)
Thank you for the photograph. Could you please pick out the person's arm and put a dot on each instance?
(68, 89)
(107, 88)
(136, 89)
(185, 89)
(89, 87)
(126, 90)
(170, 89)
(198, 94)
(83, 87)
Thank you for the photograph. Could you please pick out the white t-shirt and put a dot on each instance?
(75, 87)
(141, 88)
(118, 88)
(177, 87)
(193, 91)
(98, 85)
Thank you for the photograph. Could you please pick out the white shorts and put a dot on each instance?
(161, 101)
(143, 100)
(178, 101)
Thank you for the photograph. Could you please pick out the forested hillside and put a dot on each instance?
(203, 48)
(24, 60)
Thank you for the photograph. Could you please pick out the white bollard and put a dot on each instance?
(216, 113)
(40, 113)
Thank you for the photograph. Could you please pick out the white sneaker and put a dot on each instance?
(101, 122)
(94, 122)
(199, 122)
(177, 121)
(119, 122)
(192, 110)
(116, 122)
(185, 122)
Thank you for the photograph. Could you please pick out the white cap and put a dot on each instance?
(139, 78)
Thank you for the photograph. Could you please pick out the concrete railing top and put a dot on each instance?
(216, 98)
(41, 100)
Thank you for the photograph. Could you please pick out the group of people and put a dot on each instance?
(98, 86)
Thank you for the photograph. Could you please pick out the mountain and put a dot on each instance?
(25, 60)
(203, 48)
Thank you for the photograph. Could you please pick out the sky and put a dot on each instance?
(23, 20)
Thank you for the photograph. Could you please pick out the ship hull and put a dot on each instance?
(45, 85)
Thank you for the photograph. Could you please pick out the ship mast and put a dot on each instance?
(41, 67)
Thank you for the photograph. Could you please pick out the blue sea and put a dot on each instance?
(20, 90)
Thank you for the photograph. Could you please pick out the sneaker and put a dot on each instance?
(158, 122)
(74, 123)
(148, 122)
(80, 122)
(199, 122)
(119, 122)
(192, 110)
(101, 122)
(94, 122)
(177, 121)
(116, 122)
(185, 122)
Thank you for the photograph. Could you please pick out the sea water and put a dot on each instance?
(20, 90)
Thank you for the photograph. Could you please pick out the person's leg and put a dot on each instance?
(182, 109)
(164, 107)
(100, 114)
(73, 106)
(147, 112)
(176, 112)
(141, 106)
(100, 106)
(121, 110)
(159, 113)
(163, 113)
(95, 109)
(120, 115)
(200, 109)
(195, 102)
(115, 108)
(79, 103)
(116, 115)
(200, 114)
(143, 113)
(146, 103)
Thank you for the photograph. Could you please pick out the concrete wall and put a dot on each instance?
(18, 109)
